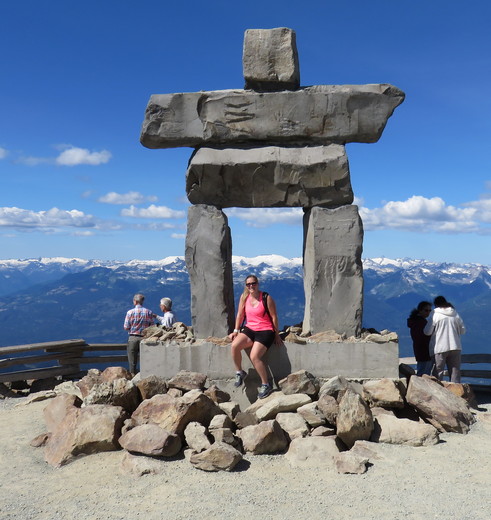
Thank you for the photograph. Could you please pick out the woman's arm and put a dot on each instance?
(240, 317)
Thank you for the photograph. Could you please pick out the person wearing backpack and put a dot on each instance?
(256, 327)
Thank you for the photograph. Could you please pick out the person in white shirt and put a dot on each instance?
(445, 327)
(168, 319)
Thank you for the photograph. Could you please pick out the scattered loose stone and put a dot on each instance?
(218, 457)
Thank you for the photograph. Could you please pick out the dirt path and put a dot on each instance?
(451, 480)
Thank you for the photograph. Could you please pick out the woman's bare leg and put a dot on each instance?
(257, 352)
(240, 343)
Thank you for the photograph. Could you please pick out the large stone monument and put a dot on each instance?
(274, 144)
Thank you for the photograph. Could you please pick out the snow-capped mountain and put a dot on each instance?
(58, 298)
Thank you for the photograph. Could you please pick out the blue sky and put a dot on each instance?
(76, 78)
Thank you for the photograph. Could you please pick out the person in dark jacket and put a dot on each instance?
(421, 343)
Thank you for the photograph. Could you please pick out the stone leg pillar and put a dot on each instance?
(209, 263)
(333, 272)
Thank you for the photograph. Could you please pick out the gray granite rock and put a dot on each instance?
(270, 59)
(320, 114)
(209, 263)
(271, 176)
(333, 271)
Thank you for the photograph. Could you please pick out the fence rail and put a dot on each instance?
(63, 358)
(467, 359)
(74, 356)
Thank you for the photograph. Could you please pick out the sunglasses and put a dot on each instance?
(252, 284)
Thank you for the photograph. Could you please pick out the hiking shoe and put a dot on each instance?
(264, 391)
(240, 378)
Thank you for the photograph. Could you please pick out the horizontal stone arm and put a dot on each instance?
(320, 114)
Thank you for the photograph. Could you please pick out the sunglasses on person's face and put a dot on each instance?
(252, 284)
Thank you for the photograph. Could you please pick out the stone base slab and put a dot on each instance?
(323, 360)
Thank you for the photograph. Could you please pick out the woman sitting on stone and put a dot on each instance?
(258, 333)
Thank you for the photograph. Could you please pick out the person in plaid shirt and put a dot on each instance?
(136, 321)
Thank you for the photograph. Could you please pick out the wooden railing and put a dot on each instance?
(471, 359)
(70, 357)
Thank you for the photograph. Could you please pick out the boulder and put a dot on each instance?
(270, 59)
(300, 382)
(83, 431)
(367, 449)
(118, 392)
(322, 431)
(329, 408)
(243, 419)
(333, 271)
(270, 176)
(463, 390)
(312, 415)
(217, 395)
(265, 437)
(220, 421)
(151, 440)
(281, 403)
(111, 373)
(354, 421)
(57, 409)
(391, 430)
(438, 406)
(93, 377)
(209, 264)
(218, 457)
(69, 387)
(225, 435)
(174, 414)
(321, 114)
(150, 386)
(293, 424)
(313, 452)
(348, 462)
(383, 392)
(138, 465)
(335, 386)
(196, 437)
(230, 408)
(185, 380)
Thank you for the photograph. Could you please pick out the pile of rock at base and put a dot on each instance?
(332, 425)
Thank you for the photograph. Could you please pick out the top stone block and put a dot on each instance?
(270, 60)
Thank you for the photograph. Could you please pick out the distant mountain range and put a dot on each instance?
(49, 299)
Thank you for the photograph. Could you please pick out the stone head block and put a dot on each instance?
(270, 59)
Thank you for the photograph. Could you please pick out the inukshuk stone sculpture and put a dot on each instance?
(273, 144)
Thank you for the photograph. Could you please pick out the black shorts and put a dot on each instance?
(265, 337)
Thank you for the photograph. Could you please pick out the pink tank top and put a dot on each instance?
(257, 317)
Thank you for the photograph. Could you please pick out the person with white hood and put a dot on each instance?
(445, 327)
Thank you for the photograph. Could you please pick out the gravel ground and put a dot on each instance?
(451, 480)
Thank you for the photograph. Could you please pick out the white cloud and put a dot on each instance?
(3, 153)
(132, 197)
(83, 234)
(178, 236)
(265, 217)
(24, 218)
(421, 214)
(33, 161)
(152, 212)
(74, 156)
